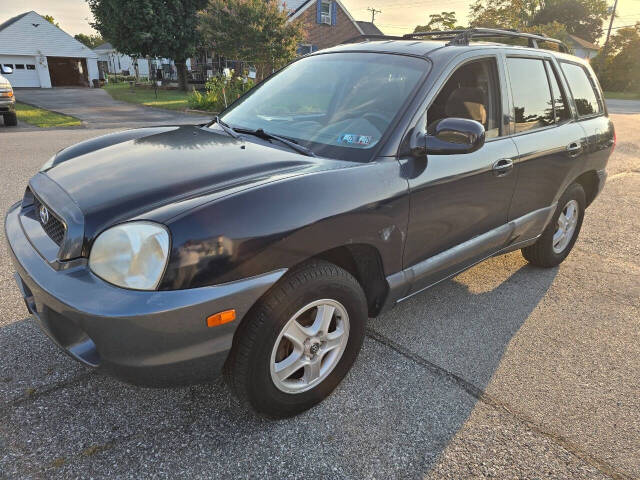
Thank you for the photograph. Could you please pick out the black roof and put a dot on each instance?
(12, 20)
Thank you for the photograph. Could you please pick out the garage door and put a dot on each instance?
(24, 71)
(67, 72)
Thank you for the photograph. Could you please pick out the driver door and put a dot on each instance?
(460, 202)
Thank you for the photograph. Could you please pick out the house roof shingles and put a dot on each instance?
(584, 43)
(369, 28)
(12, 20)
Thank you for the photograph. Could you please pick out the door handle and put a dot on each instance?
(502, 167)
(574, 149)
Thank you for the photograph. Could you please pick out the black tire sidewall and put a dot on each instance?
(263, 394)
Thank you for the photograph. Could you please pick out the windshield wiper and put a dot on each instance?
(227, 129)
(260, 133)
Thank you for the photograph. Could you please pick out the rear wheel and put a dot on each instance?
(10, 119)
(299, 341)
(561, 234)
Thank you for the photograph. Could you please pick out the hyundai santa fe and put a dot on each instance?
(257, 245)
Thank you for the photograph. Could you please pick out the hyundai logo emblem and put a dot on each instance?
(44, 214)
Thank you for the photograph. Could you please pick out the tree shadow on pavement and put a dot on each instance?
(392, 416)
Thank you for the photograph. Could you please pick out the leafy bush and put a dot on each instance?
(219, 93)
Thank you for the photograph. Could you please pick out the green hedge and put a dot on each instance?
(219, 93)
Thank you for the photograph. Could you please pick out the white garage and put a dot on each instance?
(43, 55)
(24, 70)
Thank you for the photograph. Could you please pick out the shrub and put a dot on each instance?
(219, 93)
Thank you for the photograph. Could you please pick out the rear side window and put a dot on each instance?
(559, 100)
(531, 95)
(582, 89)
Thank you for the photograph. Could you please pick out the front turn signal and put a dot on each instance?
(221, 318)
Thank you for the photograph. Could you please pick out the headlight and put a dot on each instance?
(131, 255)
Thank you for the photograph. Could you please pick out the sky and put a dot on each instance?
(397, 16)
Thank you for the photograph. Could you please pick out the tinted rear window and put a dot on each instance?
(531, 95)
(582, 89)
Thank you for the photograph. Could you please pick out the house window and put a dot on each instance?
(31, 67)
(304, 49)
(325, 15)
(19, 66)
(9, 65)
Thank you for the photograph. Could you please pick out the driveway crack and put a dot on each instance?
(482, 396)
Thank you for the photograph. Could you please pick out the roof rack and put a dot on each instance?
(462, 37)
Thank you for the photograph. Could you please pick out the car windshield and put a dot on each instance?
(338, 105)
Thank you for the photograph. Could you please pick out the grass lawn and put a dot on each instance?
(44, 118)
(171, 99)
(622, 95)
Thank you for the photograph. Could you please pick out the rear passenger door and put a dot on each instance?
(591, 115)
(550, 143)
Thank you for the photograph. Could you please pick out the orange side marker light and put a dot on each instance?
(221, 318)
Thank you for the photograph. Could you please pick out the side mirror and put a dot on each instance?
(454, 135)
(6, 70)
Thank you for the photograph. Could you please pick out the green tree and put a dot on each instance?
(618, 67)
(157, 28)
(51, 20)
(91, 41)
(583, 18)
(253, 31)
(439, 21)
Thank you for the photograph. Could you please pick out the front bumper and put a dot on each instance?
(151, 338)
(7, 106)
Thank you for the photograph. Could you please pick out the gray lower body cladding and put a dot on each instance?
(154, 338)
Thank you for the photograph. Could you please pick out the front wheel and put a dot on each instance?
(561, 234)
(299, 341)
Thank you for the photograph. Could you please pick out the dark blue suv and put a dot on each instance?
(354, 178)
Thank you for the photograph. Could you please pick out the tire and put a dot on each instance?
(10, 119)
(250, 368)
(547, 252)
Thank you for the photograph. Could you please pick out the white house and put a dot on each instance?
(43, 55)
(116, 62)
(582, 48)
(112, 61)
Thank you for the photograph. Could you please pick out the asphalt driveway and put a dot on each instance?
(97, 109)
(505, 371)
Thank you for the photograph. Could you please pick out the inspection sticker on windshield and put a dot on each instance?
(352, 139)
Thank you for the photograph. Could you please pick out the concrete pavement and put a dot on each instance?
(505, 371)
(97, 109)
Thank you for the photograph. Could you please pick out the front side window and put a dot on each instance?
(472, 92)
(340, 105)
(582, 89)
(532, 102)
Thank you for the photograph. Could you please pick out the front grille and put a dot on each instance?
(54, 228)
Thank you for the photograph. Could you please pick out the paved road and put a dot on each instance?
(505, 371)
(623, 106)
(97, 109)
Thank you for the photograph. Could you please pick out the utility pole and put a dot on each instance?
(613, 14)
(374, 11)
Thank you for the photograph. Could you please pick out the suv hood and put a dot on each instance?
(120, 176)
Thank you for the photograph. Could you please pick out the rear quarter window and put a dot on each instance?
(582, 89)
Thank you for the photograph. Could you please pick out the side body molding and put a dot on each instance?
(513, 235)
